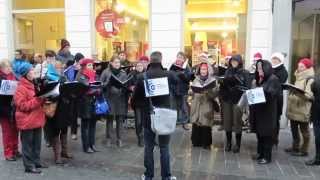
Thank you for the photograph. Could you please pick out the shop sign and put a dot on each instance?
(108, 23)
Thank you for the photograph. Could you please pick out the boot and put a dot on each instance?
(236, 149)
(57, 151)
(64, 145)
(229, 141)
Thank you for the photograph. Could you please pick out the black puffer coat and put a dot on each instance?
(263, 116)
(6, 103)
(282, 75)
(315, 108)
(233, 79)
(155, 70)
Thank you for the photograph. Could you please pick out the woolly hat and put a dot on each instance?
(307, 62)
(144, 59)
(237, 58)
(257, 56)
(278, 55)
(24, 68)
(64, 43)
(85, 61)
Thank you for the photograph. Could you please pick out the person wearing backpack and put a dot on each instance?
(298, 109)
(155, 70)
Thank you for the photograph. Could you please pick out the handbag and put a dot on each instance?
(163, 120)
(101, 106)
(49, 108)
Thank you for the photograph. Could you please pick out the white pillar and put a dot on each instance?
(259, 29)
(78, 14)
(166, 28)
(5, 35)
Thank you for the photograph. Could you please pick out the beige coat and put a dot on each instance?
(299, 105)
(202, 112)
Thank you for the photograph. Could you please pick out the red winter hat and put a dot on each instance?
(307, 62)
(257, 56)
(64, 43)
(204, 65)
(144, 59)
(85, 61)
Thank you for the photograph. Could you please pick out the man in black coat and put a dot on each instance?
(155, 70)
(280, 71)
(315, 118)
(262, 115)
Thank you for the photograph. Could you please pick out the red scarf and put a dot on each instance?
(90, 74)
(9, 76)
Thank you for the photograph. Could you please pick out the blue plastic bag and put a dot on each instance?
(101, 106)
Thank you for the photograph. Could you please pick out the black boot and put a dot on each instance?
(236, 149)
(229, 141)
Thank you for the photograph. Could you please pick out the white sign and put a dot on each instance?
(255, 96)
(8, 87)
(108, 26)
(156, 87)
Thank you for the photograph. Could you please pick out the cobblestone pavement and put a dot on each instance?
(187, 163)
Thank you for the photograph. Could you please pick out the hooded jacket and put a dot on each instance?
(233, 79)
(299, 106)
(29, 112)
(202, 106)
(262, 116)
(183, 78)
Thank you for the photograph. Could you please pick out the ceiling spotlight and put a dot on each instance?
(224, 34)
(119, 8)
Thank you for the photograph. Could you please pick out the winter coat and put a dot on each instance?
(29, 112)
(282, 75)
(263, 116)
(202, 106)
(136, 103)
(233, 79)
(299, 106)
(183, 77)
(64, 57)
(6, 103)
(116, 97)
(315, 108)
(155, 70)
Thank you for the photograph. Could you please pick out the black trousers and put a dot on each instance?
(88, 133)
(74, 117)
(201, 135)
(119, 121)
(139, 117)
(264, 147)
(31, 147)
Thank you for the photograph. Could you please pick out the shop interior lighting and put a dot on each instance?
(134, 22)
(127, 19)
(120, 8)
(224, 34)
(220, 15)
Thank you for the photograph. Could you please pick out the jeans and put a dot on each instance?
(296, 128)
(31, 147)
(182, 109)
(88, 133)
(149, 142)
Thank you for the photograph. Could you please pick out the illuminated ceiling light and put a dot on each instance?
(119, 8)
(224, 34)
(220, 15)
(127, 19)
(134, 22)
(28, 23)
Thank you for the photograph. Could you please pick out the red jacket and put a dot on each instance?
(29, 112)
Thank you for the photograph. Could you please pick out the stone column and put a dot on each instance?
(166, 28)
(5, 29)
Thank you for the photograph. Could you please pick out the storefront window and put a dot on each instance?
(36, 31)
(121, 25)
(37, 4)
(215, 27)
